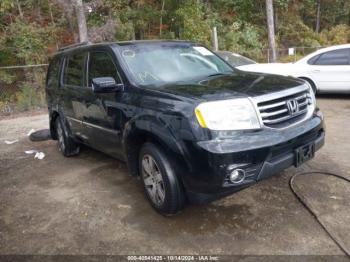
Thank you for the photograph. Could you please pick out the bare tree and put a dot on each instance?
(19, 9)
(318, 16)
(80, 14)
(271, 30)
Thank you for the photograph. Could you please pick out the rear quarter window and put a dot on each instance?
(53, 73)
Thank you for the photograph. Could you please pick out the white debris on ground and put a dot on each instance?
(124, 206)
(10, 142)
(30, 132)
(38, 155)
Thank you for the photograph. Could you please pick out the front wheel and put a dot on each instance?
(162, 187)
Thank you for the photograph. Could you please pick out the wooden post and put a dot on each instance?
(161, 19)
(215, 39)
(318, 16)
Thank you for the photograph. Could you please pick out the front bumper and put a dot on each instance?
(261, 154)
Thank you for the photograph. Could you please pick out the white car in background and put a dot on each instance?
(327, 70)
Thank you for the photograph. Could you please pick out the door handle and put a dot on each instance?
(316, 71)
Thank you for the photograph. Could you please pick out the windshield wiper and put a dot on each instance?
(219, 74)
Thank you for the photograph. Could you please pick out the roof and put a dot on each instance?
(321, 51)
(331, 48)
(151, 41)
(89, 44)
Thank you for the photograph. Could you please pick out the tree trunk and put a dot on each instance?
(318, 16)
(271, 30)
(79, 10)
(51, 15)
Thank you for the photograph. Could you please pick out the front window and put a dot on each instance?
(102, 65)
(164, 63)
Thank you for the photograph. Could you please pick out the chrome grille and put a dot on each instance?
(285, 110)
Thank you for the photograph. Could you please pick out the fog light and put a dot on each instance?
(237, 176)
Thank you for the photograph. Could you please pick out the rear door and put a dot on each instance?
(103, 118)
(331, 71)
(74, 91)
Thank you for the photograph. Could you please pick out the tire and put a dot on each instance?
(40, 135)
(65, 143)
(162, 187)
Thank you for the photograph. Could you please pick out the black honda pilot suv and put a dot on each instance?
(192, 127)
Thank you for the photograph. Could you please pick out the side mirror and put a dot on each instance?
(105, 85)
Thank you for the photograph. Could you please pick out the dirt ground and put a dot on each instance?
(90, 205)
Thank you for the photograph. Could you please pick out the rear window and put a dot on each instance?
(74, 70)
(53, 73)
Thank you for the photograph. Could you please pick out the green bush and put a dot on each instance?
(193, 23)
(293, 32)
(242, 38)
(29, 97)
(339, 34)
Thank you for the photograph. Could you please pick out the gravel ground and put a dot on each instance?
(90, 205)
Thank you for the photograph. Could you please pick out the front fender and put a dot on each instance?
(156, 128)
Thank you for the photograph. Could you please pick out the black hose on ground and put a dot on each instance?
(338, 242)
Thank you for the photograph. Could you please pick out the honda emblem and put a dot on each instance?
(293, 106)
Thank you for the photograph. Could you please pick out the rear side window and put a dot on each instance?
(53, 73)
(336, 57)
(102, 65)
(74, 70)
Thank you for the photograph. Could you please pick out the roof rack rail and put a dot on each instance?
(74, 45)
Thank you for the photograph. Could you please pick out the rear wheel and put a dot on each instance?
(162, 187)
(65, 144)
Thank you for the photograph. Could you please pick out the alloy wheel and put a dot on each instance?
(153, 180)
(60, 137)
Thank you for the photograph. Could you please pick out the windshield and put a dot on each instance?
(164, 63)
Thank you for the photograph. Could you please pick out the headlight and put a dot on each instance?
(233, 114)
(312, 94)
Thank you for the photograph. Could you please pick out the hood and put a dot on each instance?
(272, 68)
(238, 84)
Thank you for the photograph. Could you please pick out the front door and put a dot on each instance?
(103, 117)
